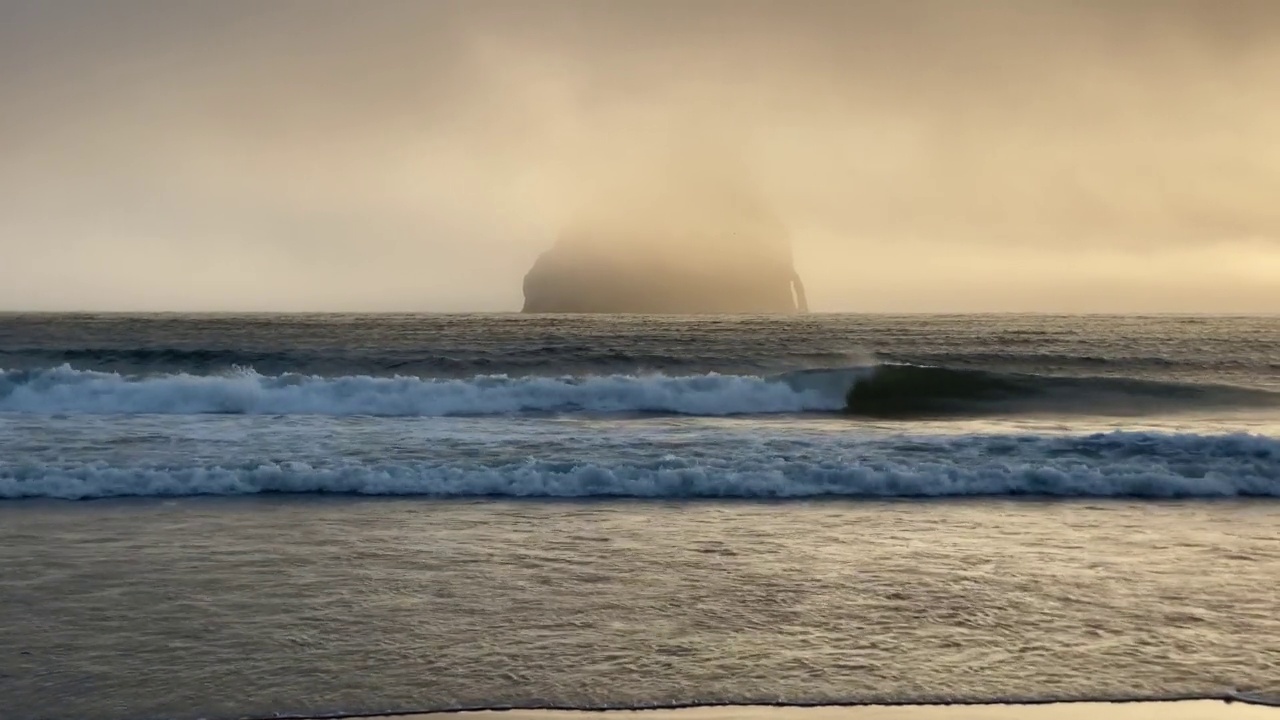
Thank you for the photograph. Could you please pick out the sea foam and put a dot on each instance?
(1135, 465)
(68, 390)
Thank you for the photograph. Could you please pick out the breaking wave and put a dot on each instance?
(1131, 465)
(67, 390)
(877, 391)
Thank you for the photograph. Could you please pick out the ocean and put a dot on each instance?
(217, 516)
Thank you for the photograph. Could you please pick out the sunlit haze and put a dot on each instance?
(921, 156)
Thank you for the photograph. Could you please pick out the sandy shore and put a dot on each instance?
(1183, 710)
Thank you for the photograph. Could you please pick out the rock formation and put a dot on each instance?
(579, 276)
(690, 247)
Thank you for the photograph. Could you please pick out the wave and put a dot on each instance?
(1106, 465)
(876, 391)
(582, 357)
(67, 390)
(893, 390)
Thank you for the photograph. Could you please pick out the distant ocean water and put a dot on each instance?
(632, 510)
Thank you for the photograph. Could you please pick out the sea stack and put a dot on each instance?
(586, 275)
(694, 239)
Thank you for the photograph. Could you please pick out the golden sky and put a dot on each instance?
(948, 155)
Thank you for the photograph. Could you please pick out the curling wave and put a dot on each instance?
(876, 391)
(916, 390)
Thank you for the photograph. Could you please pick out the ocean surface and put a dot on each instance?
(227, 516)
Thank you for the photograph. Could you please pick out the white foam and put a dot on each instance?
(66, 390)
(1109, 465)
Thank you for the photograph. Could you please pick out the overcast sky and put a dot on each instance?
(418, 155)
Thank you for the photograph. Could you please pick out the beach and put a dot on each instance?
(1180, 710)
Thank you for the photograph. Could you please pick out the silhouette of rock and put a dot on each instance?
(696, 238)
(592, 276)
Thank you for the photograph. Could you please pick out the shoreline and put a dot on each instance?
(1230, 707)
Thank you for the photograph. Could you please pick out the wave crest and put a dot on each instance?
(889, 390)
(67, 390)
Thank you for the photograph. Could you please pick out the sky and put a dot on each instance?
(414, 155)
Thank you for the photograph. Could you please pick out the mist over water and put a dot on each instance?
(919, 155)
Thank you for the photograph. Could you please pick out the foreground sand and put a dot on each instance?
(1186, 710)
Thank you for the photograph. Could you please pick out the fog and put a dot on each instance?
(380, 155)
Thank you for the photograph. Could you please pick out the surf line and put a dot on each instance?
(1227, 697)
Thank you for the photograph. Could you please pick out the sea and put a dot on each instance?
(235, 516)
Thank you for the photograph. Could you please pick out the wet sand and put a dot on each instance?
(1180, 710)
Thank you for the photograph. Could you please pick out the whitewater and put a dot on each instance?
(65, 389)
(223, 516)
(630, 458)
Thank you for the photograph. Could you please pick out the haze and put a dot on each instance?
(379, 155)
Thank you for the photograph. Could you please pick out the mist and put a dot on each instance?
(920, 155)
